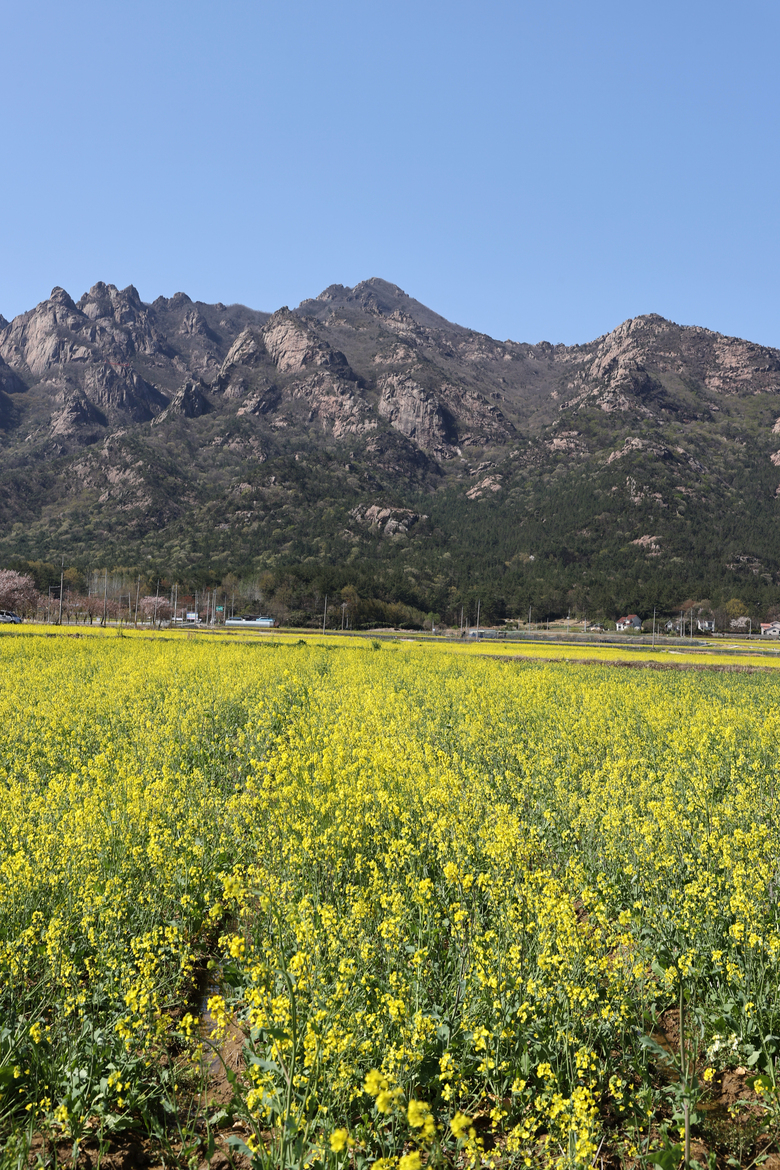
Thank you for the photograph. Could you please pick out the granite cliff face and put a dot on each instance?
(369, 353)
(343, 414)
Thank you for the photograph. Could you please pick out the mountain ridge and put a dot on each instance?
(196, 440)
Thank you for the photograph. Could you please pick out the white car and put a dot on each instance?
(7, 615)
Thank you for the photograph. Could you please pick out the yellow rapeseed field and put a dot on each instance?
(455, 909)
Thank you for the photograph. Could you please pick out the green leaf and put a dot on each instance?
(759, 1083)
(240, 1146)
(654, 1047)
(668, 1159)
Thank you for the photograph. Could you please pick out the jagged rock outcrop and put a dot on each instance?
(90, 345)
(237, 373)
(388, 521)
(117, 389)
(194, 324)
(73, 413)
(106, 305)
(262, 398)
(633, 444)
(410, 409)
(491, 483)
(247, 350)
(334, 401)
(189, 402)
(46, 336)
(292, 346)
(649, 544)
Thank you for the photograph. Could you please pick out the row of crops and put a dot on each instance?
(448, 911)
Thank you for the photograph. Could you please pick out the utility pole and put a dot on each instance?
(325, 613)
(62, 579)
(654, 626)
(156, 599)
(105, 596)
(479, 602)
(529, 619)
(137, 595)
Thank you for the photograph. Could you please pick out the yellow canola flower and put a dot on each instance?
(460, 1124)
(385, 1100)
(415, 868)
(338, 1140)
(375, 1082)
(419, 1116)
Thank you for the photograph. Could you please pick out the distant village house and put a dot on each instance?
(631, 622)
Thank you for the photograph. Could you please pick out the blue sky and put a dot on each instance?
(535, 171)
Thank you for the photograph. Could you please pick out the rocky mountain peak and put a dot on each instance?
(366, 398)
(106, 301)
(58, 296)
(334, 292)
(375, 297)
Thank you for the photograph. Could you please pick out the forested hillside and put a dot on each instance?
(362, 443)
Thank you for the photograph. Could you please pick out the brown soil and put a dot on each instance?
(131, 1152)
(231, 1059)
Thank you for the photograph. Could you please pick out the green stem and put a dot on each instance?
(684, 1075)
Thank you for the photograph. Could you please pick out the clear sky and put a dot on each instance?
(533, 170)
